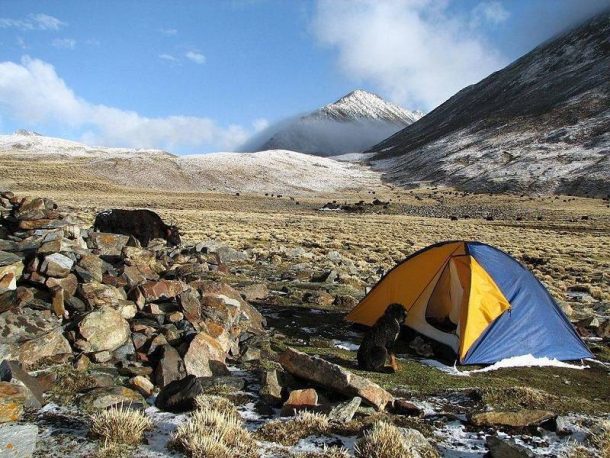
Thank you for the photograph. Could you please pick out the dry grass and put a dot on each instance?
(327, 452)
(216, 403)
(289, 432)
(119, 425)
(211, 433)
(600, 437)
(385, 440)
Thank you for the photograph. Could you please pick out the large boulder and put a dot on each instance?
(104, 329)
(52, 346)
(205, 356)
(334, 377)
(99, 295)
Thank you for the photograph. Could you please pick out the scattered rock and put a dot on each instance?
(56, 265)
(142, 384)
(205, 357)
(255, 292)
(170, 367)
(334, 377)
(107, 244)
(345, 411)
(506, 448)
(271, 389)
(11, 371)
(104, 397)
(52, 346)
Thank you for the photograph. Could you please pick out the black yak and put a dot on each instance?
(143, 225)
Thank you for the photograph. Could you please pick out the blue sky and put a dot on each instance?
(197, 76)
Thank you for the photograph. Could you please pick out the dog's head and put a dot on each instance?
(396, 311)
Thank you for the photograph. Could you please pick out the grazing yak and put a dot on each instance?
(144, 225)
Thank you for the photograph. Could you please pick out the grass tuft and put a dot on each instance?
(119, 425)
(289, 432)
(212, 433)
(385, 440)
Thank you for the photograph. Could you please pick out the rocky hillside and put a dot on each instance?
(353, 123)
(275, 171)
(542, 124)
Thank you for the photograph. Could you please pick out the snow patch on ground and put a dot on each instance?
(516, 361)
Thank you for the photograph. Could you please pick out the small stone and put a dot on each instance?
(92, 268)
(56, 265)
(101, 356)
(404, 407)
(58, 302)
(69, 284)
(271, 389)
(142, 384)
(345, 411)
(175, 317)
(255, 292)
(506, 448)
(300, 400)
(162, 289)
(81, 363)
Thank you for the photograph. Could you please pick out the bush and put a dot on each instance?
(217, 403)
(119, 425)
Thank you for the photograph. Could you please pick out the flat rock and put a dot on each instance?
(18, 441)
(162, 289)
(52, 346)
(107, 244)
(334, 377)
(104, 329)
(518, 419)
(99, 295)
(19, 325)
(102, 398)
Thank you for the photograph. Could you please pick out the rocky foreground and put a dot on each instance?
(92, 321)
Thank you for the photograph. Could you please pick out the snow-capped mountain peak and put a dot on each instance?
(360, 104)
(351, 124)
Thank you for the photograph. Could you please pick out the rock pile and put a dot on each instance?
(70, 295)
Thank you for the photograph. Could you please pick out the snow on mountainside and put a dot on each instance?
(542, 124)
(275, 171)
(34, 143)
(351, 124)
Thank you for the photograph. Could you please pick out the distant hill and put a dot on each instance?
(542, 124)
(274, 171)
(352, 124)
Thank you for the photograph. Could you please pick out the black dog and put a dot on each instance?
(377, 344)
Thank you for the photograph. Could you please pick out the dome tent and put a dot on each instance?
(476, 299)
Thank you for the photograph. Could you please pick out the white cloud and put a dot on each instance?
(64, 43)
(167, 57)
(411, 49)
(260, 124)
(38, 21)
(195, 56)
(491, 11)
(32, 93)
(168, 32)
(21, 43)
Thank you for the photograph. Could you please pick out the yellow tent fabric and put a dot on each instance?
(404, 283)
(440, 283)
(485, 303)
